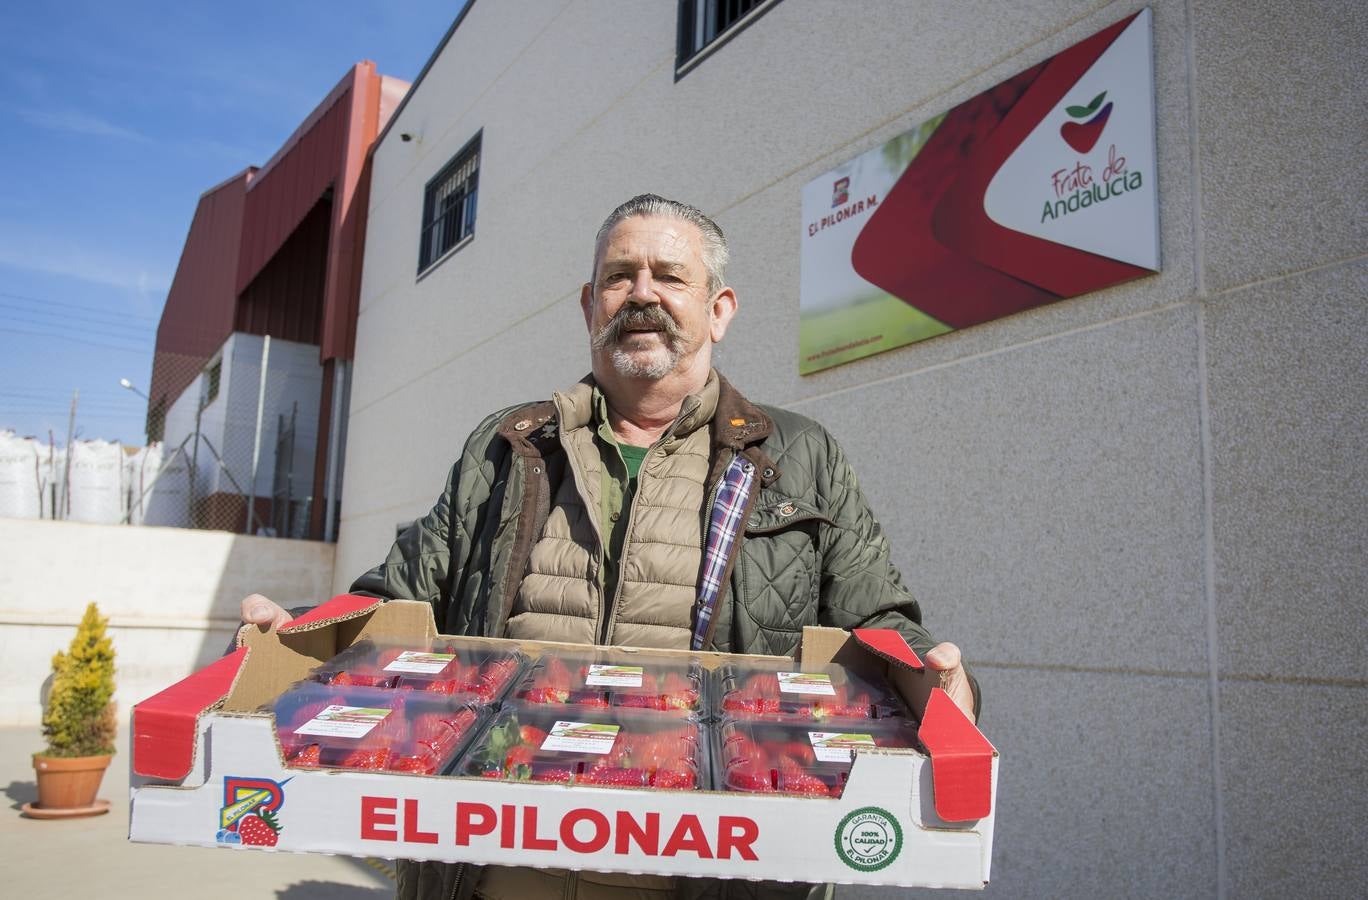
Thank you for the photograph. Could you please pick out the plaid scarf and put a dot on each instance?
(722, 527)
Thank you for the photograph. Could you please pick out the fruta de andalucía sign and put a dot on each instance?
(1036, 190)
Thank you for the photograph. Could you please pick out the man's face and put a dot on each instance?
(648, 309)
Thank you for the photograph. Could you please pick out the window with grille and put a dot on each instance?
(707, 24)
(449, 205)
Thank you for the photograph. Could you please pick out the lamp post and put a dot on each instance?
(129, 386)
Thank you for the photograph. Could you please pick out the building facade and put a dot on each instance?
(1141, 512)
(272, 252)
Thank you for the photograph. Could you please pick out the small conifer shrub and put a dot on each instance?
(80, 717)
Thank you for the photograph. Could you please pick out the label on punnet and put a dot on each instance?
(581, 737)
(835, 746)
(344, 721)
(806, 683)
(614, 676)
(420, 662)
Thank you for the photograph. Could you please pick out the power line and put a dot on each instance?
(66, 337)
(131, 315)
(105, 320)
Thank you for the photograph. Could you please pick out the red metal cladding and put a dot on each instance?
(285, 299)
(199, 311)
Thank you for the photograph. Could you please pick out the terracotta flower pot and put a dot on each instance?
(67, 785)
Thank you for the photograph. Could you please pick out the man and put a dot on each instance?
(649, 505)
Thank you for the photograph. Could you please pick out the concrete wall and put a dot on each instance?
(1141, 512)
(171, 596)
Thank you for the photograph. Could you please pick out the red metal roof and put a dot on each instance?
(251, 259)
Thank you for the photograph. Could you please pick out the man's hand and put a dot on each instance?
(945, 659)
(259, 610)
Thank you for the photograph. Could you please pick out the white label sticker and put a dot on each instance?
(581, 737)
(614, 676)
(805, 683)
(344, 721)
(835, 746)
(420, 662)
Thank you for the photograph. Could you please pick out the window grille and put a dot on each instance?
(449, 205)
(709, 23)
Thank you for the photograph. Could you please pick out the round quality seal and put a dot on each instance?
(868, 839)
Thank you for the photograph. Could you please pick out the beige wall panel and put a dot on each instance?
(1288, 385)
(1282, 100)
(1045, 503)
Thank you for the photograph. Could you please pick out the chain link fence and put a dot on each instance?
(232, 444)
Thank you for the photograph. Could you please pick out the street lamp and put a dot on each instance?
(128, 385)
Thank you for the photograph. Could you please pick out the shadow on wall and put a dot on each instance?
(331, 890)
(293, 573)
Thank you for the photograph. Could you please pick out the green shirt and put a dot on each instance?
(621, 463)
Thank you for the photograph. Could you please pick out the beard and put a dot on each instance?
(652, 364)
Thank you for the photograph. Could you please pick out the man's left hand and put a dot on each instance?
(945, 659)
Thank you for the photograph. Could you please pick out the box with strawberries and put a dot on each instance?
(358, 729)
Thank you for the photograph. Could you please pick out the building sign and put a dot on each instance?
(1036, 190)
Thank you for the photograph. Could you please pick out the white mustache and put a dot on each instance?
(636, 317)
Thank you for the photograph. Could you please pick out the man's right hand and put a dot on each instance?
(259, 610)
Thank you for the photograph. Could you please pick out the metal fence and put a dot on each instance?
(232, 444)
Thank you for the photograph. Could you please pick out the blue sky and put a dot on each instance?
(115, 118)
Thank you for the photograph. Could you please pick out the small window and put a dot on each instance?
(449, 205)
(209, 387)
(708, 24)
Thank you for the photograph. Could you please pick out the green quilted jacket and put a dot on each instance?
(811, 552)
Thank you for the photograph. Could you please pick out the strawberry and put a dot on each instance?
(558, 775)
(306, 758)
(259, 830)
(673, 779)
(366, 759)
(445, 686)
(750, 778)
(436, 733)
(520, 755)
(533, 735)
(495, 676)
(678, 692)
(803, 783)
(609, 775)
(461, 721)
(422, 761)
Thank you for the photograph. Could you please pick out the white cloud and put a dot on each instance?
(56, 255)
(78, 122)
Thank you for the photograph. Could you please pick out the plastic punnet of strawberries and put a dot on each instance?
(586, 746)
(440, 667)
(813, 693)
(600, 679)
(786, 757)
(371, 728)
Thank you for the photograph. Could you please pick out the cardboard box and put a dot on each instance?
(204, 755)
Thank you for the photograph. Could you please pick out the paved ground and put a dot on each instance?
(93, 857)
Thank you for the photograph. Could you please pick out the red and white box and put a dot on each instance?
(207, 770)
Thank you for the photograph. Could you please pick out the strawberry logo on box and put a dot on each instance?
(1083, 135)
(248, 816)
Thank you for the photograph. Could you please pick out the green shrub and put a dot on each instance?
(80, 716)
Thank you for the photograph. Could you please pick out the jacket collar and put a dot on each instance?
(737, 424)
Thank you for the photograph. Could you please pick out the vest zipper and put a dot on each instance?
(571, 886)
(456, 885)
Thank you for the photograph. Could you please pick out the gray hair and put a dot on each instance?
(714, 241)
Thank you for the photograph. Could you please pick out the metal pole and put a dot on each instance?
(256, 438)
(334, 439)
(66, 473)
(194, 460)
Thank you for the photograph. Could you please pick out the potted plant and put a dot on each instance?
(79, 725)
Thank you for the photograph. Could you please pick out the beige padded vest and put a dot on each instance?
(560, 598)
